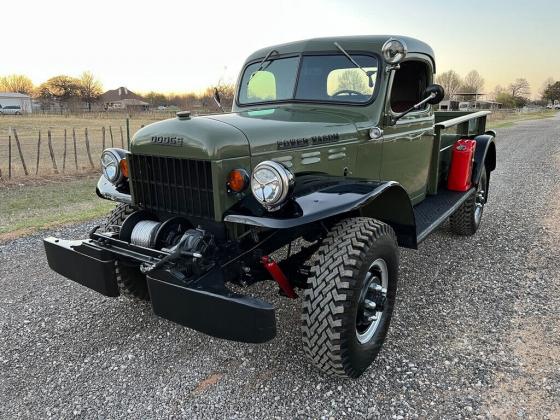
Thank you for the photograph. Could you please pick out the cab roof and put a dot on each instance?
(371, 43)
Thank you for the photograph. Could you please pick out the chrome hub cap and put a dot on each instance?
(479, 201)
(372, 301)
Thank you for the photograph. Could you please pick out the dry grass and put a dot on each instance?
(503, 119)
(29, 126)
(49, 201)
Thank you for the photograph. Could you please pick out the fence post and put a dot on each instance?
(128, 132)
(75, 152)
(87, 149)
(102, 138)
(64, 155)
(111, 135)
(122, 137)
(20, 152)
(9, 155)
(38, 152)
(51, 151)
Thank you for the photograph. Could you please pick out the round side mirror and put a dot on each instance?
(394, 51)
(438, 91)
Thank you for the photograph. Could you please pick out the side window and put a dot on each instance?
(409, 84)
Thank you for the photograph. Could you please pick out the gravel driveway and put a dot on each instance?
(476, 330)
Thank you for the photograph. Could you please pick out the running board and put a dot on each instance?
(435, 210)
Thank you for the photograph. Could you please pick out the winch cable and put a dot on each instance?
(249, 250)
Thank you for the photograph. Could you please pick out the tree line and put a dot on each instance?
(515, 95)
(63, 89)
(72, 92)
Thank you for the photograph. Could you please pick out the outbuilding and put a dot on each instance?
(122, 99)
(16, 99)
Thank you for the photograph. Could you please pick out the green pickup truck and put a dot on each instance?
(331, 158)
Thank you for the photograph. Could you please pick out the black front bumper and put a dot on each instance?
(204, 304)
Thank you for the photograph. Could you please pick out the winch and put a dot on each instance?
(175, 236)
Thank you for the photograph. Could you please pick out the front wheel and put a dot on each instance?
(131, 281)
(350, 296)
(466, 220)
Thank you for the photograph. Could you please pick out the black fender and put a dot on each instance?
(485, 154)
(318, 197)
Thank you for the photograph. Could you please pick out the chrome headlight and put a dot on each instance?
(271, 183)
(110, 164)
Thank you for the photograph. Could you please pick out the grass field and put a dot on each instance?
(502, 120)
(42, 203)
(29, 126)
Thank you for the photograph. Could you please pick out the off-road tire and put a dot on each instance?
(464, 222)
(131, 281)
(331, 300)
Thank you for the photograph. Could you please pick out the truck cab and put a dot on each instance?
(333, 152)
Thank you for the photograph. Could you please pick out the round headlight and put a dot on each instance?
(271, 183)
(110, 164)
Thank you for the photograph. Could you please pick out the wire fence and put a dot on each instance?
(38, 152)
(46, 144)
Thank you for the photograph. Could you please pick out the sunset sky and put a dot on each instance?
(185, 46)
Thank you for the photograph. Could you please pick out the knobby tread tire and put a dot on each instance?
(131, 281)
(463, 222)
(329, 299)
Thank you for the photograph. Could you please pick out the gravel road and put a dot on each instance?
(476, 330)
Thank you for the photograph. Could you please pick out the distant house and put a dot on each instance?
(122, 99)
(17, 99)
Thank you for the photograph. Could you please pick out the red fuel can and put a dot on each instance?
(462, 159)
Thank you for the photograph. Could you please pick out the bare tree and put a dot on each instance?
(352, 80)
(90, 88)
(17, 83)
(450, 81)
(549, 81)
(520, 88)
(473, 83)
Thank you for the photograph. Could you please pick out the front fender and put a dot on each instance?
(318, 197)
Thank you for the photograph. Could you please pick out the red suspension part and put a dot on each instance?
(278, 275)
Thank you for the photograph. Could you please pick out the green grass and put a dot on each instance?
(25, 208)
(510, 120)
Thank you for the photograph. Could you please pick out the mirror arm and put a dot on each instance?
(217, 99)
(409, 110)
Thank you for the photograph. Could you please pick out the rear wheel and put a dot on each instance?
(131, 281)
(466, 220)
(350, 296)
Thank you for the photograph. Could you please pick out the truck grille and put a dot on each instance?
(182, 186)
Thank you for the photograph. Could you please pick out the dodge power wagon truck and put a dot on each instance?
(331, 158)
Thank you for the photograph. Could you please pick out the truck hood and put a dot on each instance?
(269, 129)
(245, 133)
(201, 138)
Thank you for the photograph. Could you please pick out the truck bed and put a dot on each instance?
(435, 209)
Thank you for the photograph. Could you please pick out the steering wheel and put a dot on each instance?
(348, 91)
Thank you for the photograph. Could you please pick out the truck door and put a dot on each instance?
(407, 145)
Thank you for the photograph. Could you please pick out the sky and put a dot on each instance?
(180, 46)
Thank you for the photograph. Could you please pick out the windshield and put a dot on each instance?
(324, 78)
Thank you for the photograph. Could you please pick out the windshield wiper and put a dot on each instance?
(261, 64)
(369, 74)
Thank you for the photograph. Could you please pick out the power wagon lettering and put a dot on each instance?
(306, 141)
